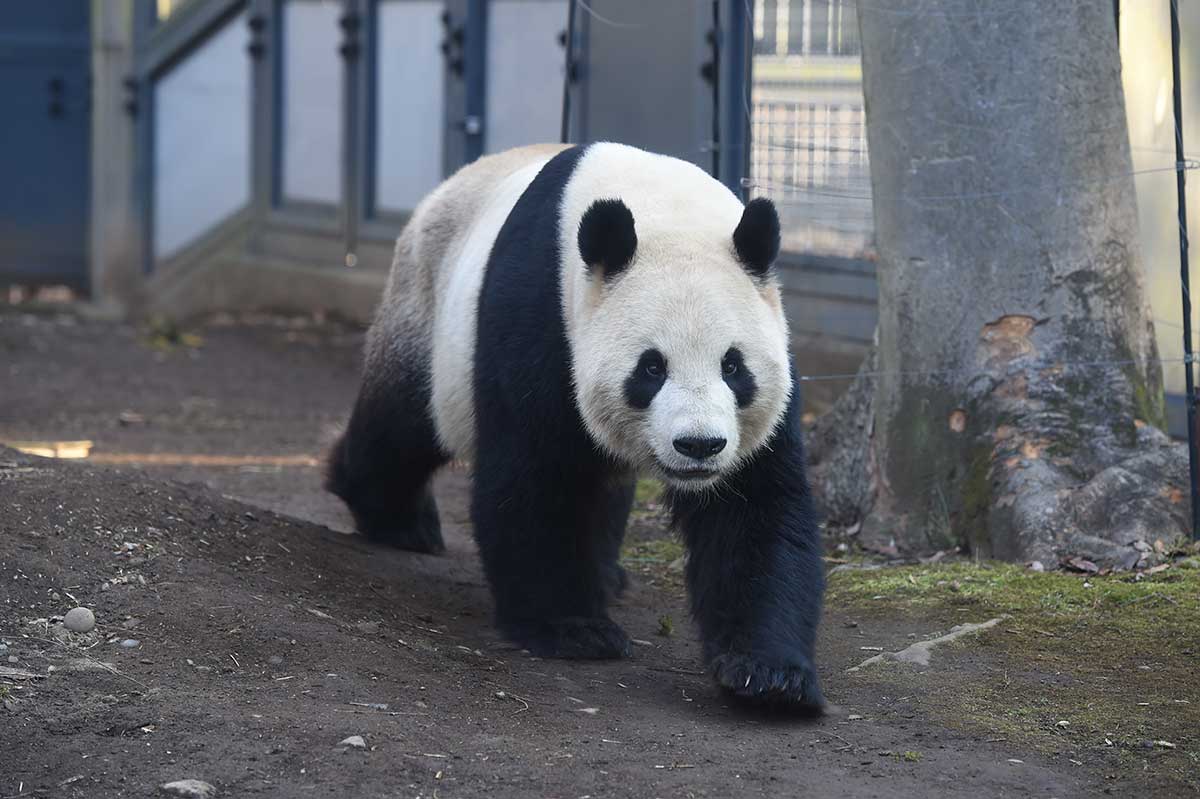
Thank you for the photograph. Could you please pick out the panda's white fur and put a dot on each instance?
(685, 294)
(454, 327)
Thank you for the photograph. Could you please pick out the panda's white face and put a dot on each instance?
(681, 365)
(677, 332)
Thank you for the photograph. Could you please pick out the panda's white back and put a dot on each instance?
(456, 311)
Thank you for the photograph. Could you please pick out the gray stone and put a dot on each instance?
(80, 620)
(354, 742)
(130, 643)
(189, 789)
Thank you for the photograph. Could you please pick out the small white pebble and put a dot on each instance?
(191, 789)
(79, 620)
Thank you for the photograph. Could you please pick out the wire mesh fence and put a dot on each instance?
(808, 124)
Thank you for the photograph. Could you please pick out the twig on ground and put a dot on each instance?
(381, 712)
(88, 657)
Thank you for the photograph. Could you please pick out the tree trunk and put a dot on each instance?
(1009, 268)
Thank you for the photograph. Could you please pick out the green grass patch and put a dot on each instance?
(1099, 669)
(656, 560)
(662, 551)
(649, 492)
(1173, 595)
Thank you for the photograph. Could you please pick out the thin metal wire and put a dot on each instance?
(605, 20)
(1186, 359)
(1180, 167)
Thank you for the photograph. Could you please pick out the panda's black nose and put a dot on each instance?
(699, 448)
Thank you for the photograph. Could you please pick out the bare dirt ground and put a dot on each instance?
(265, 634)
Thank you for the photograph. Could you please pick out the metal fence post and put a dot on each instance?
(263, 50)
(568, 73)
(736, 64)
(1184, 277)
(475, 58)
(351, 50)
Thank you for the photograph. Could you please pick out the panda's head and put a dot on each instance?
(680, 343)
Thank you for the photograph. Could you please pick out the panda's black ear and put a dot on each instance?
(607, 240)
(756, 239)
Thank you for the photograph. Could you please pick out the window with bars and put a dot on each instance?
(809, 138)
(805, 27)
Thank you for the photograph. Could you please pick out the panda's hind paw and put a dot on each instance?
(573, 638)
(790, 687)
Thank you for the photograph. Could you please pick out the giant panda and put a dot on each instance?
(566, 318)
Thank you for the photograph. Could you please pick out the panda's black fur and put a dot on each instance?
(549, 508)
(549, 511)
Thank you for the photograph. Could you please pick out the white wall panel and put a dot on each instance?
(410, 102)
(312, 101)
(524, 72)
(202, 139)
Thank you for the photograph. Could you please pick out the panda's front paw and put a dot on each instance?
(794, 687)
(573, 637)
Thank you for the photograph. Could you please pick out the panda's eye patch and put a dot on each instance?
(738, 377)
(646, 379)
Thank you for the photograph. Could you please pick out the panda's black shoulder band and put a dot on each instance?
(756, 239)
(607, 239)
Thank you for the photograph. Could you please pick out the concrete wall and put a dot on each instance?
(115, 273)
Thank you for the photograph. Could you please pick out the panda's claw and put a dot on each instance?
(572, 638)
(794, 687)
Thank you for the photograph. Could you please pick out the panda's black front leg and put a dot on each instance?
(755, 575)
(548, 533)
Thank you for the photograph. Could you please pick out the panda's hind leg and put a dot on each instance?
(382, 465)
(611, 520)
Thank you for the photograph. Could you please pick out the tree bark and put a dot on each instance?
(1018, 405)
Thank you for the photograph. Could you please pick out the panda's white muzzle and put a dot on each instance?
(693, 432)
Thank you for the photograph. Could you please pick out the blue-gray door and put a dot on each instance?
(44, 141)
